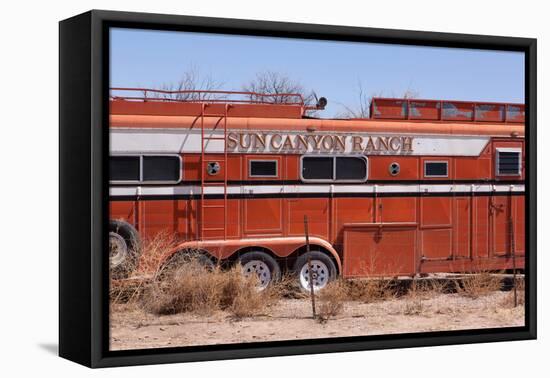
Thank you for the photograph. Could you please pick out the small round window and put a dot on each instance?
(213, 168)
(394, 169)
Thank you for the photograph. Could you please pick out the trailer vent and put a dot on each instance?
(508, 162)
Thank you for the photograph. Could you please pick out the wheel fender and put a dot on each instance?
(316, 241)
(194, 245)
(216, 247)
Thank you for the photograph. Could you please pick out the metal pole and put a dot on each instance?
(310, 272)
(513, 248)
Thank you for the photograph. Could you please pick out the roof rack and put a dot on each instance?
(206, 96)
(443, 110)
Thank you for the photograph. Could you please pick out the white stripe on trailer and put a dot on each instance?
(311, 189)
(177, 141)
(507, 188)
(296, 189)
(352, 189)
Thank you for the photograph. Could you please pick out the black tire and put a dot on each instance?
(251, 262)
(124, 248)
(184, 257)
(303, 276)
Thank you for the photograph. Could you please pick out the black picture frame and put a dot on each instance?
(83, 120)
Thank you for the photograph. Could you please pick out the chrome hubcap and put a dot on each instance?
(319, 275)
(118, 249)
(261, 270)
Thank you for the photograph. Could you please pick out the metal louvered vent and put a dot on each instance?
(508, 163)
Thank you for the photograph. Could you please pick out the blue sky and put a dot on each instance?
(334, 70)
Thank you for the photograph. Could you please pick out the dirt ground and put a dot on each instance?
(132, 328)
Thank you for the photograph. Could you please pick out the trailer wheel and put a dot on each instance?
(323, 270)
(124, 248)
(262, 265)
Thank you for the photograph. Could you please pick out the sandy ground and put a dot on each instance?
(132, 328)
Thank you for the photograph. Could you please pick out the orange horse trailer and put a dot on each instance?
(419, 187)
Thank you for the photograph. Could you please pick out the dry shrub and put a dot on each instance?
(154, 251)
(413, 307)
(432, 287)
(508, 300)
(417, 291)
(331, 300)
(195, 289)
(287, 287)
(479, 284)
(240, 294)
(381, 289)
(372, 290)
(127, 291)
(188, 289)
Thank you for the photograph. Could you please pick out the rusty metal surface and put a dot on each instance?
(442, 110)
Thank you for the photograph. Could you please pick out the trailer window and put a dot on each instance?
(436, 169)
(161, 168)
(334, 168)
(144, 168)
(124, 168)
(263, 168)
(351, 168)
(317, 168)
(508, 162)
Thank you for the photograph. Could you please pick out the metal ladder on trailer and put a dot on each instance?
(222, 120)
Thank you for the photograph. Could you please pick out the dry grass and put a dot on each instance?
(287, 287)
(127, 291)
(422, 290)
(508, 301)
(418, 291)
(414, 307)
(193, 288)
(331, 300)
(240, 296)
(190, 288)
(429, 288)
(154, 250)
(371, 290)
(479, 284)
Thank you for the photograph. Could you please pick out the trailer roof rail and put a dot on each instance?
(206, 96)
(446, 110)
